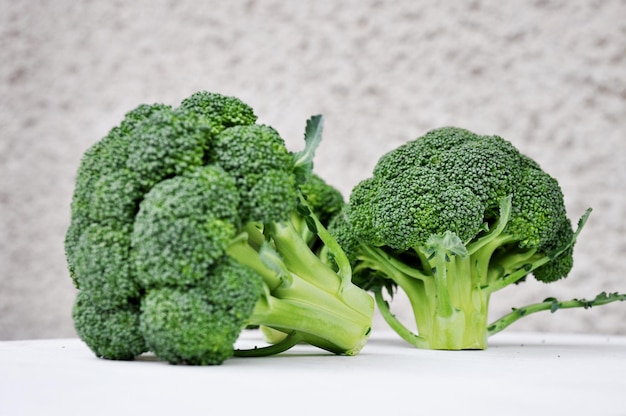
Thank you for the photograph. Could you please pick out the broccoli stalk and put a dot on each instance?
(303, 296)
(450, 219)
(453, 299)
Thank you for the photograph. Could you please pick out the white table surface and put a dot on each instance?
(520, 374)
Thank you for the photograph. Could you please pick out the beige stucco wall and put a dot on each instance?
(550, 76)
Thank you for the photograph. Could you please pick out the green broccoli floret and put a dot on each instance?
(199, 324)
(325, 200)
(187, 226)
(111, 330)
(104, 166)
(450, 218)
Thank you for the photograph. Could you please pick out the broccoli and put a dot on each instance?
(451, 218)
(190, 224)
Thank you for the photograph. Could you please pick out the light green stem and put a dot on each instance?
(288, 342)
(405, 333)
(552, 305)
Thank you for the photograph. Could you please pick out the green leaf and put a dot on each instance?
(303, 210)
(554, 306)
(311, 225)
(303, 163)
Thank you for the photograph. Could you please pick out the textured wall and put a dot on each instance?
(550, 76)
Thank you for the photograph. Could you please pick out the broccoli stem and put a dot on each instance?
(482, 249)
(414, 283)
(301, 261)
(405, 333)
(325, 325)
(304, 294)
(343, 264)
(450, 298)
(457, 313)
(289, 341)
(495, 232)
(537, 261)
(248, 256)
(552, 305)
(459, 325)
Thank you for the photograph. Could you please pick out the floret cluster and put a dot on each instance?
(190, 224)
(181, 219)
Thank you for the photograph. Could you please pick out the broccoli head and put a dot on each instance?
(450, 218)
(187, 226)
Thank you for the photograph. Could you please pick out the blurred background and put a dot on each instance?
(548, 75)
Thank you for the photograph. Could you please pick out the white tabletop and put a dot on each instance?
(520, 374)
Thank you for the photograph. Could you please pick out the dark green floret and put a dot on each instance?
(199, 324)
(219, 111)
(110, 330)
(102, 264)
(451, 218)
(324, 199)
(190, 224)
(256, 157)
